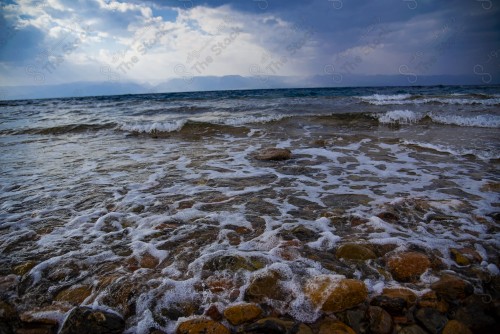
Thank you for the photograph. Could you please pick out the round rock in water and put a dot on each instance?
(84, 320)
(273, 154)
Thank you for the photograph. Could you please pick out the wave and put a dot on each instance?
(254, 119)
(410, 117)
(170, 126)
(454, 99)
(225, 123)
(399, 117)
(59, 129)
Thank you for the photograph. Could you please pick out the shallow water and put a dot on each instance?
(157, 206)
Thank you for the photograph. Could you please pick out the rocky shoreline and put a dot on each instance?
(450, 305)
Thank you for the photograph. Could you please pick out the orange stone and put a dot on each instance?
(334, 295)
(199, 326)
(407, 267)
(74, 295)
(238, 314)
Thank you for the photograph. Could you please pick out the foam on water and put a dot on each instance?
(399, 117)
(407, 99)
(149, 127)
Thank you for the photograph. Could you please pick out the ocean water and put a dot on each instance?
(161, 194)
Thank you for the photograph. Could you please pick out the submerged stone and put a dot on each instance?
(456, 327)
(380, 320)
(273, 154)
(84, 320)
(355, 252)
(409, 296)
(465, 256)
(452, 288)
(199, 326)
(269, 325)
(431, 319)
(23, 268)
(74, 295)
(233, 263)
(238, 314)
(265, 286)
(335, 327)
(413, 329)
(332, 295)
(394, 306)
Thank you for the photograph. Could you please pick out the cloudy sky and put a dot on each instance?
(45, 42)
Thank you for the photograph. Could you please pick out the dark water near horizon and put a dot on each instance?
(147, 191)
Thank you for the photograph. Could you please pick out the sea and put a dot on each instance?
(155, 207)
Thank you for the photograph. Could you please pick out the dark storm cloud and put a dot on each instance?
(354, 37)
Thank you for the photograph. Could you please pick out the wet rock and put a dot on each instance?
(335, 327)
(265, 286)
(380, 320)
(328, 261)
(333, 295)
(388, 217)
(355, 252)
(300, 232)
(23, 268)
(47, 315)
(186, 204)
(74, 295)
(8, 283)
(346, 201)
(176, 310)
(431, 319)
(465, 256)
(452, 288)
(214, 313)
(407, 267)
(431, 300)
(233, 238)
(121, 295)
(413, 329)
(273, 154)
(356, 319)
(319, 143)
(138, 208)
(37, 329)
(276, 326)
(8, 317)
(259, 206)
(409, 296)
(199, 326)
(456, 327)
(239, 314)
(395, 306)
(356, 221)
(479, 314)
(233, 263)
(148, 261)
(84, 320)
(491, 186)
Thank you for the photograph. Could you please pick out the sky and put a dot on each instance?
(47, 42)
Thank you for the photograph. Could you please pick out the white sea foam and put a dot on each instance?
(251, 119)
(170, 126)
(406, 99)
(399, 117)
(381, 99)
(482, 121)
(409, 117)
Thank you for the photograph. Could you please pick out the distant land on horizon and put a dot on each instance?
(230, 82)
